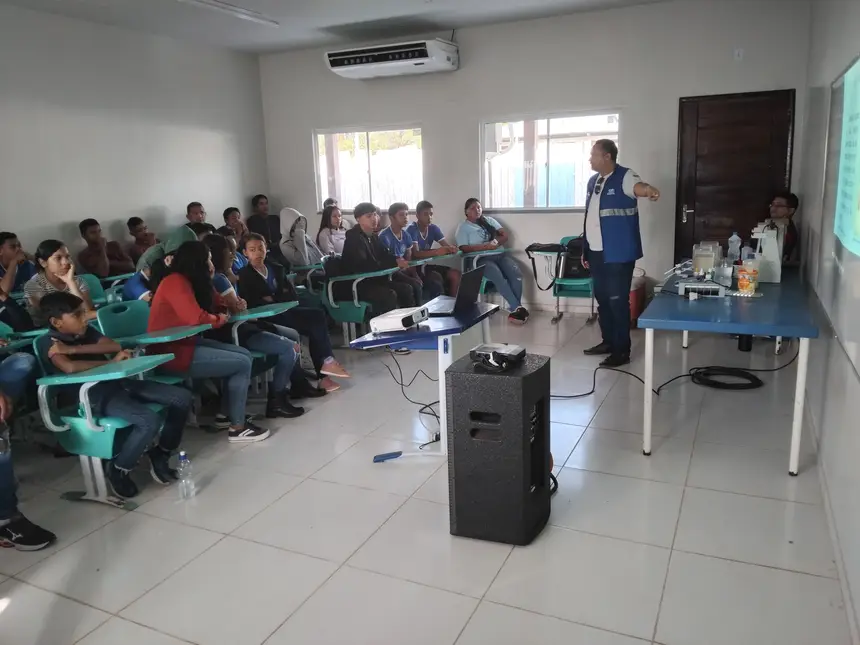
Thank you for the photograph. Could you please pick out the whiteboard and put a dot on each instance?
(838, 277)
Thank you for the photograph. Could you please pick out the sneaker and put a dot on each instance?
(221, 422)
(160, 468)
(329, 385)
(333, 368)
(279, 406)
(519, 316)
(249, 434)
(121, 482)
(23, 535)
(615, 360)
(601, 349)
(306, 391)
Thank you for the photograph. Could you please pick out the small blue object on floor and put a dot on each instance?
(387, 456)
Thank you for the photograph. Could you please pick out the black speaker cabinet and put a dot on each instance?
(498, 450)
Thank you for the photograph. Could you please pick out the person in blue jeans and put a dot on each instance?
(483, 233)
(73, 346)
(16, 373)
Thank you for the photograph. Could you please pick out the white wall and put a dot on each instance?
(107, 123)
(834, 387)
(640, 59)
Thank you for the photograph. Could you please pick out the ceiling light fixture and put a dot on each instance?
(233, 10)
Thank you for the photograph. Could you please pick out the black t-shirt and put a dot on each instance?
(90, 337)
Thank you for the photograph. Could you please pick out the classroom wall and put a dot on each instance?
(640, 60)
(833, 388)
(101, 122)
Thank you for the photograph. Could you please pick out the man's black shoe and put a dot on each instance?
(598, 350)
(615, 360)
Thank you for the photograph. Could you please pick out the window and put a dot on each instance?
(379, 166)
(541, 163)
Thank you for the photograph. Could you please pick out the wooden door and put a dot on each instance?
(734, 153)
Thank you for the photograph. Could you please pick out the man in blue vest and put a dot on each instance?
(612, 246)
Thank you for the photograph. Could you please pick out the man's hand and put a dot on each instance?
(403, 264)
(6, 407)
(147, 297)
(585, 263)
(242, 304)
(652, 193)
(59, 347)
(122, 355)
(222, 319)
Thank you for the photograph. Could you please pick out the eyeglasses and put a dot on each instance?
(598, 185)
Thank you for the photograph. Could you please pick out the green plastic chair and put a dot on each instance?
(130, 318)
(97, 291)
(571, 287)
(81, 432)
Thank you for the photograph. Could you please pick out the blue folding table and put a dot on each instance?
(452, 336)
(783, 310)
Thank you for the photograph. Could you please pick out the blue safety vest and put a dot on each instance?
(619, 219)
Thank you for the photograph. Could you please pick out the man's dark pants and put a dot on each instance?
(611, 283)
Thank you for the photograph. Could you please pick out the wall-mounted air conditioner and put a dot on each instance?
(399, 59)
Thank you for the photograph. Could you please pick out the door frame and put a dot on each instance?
(679, 198)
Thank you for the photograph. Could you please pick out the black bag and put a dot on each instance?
(572, 267)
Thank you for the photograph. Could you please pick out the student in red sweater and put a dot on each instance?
(185, 296)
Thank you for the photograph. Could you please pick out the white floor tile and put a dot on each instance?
(563, 439)
(415, 545)
(120, 562)
(322, 519)
(620, 453)
(621, 507)
(568, 379)
(755, 429)
(70, 521)
(774, 533)
(577, 412)
(435, 489)
(597, 581)
(750, 471)
(121, 632)
(237, 593)
(402, 476)
(226, 498)
(363, 608)
(500, 625)
(627, 415)
(410, 428)
(31, 616)
(296, 451)
(717, 602)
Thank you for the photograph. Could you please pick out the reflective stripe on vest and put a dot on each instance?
(618, 212)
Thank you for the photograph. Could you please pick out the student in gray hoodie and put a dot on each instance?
(296, 245)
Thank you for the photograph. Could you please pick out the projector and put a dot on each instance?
(398, 320)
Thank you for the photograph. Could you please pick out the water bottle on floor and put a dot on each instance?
(187, 488)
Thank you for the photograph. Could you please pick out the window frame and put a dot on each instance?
(367, 129)
(532, 116)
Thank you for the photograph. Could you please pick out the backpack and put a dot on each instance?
(572, 267)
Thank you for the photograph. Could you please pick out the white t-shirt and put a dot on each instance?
(592, 222)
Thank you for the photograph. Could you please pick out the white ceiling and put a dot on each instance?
(306, 23)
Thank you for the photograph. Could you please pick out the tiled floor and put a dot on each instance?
(302, 540)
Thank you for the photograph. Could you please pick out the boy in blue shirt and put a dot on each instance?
(401, 245)
(425, 234)
(73, 346)
(15, 268)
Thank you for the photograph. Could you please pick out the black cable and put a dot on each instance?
(426, 408)
(553, 485)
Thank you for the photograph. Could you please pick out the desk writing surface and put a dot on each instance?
(117, 278)
(783, 310)
(15, 344)
(430, 328)
(110, 371)
(168, 335)
(264, 311)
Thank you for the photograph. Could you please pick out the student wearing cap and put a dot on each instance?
(363, 252)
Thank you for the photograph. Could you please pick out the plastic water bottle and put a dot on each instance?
(734, 253)
(187, 488)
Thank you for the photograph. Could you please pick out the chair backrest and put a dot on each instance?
(568, 238)
(122, 319)
(40, 357)
(5, 330)
(94, 284)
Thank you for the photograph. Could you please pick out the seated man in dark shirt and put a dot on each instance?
(74, 346)
(143, 239)
(101, 257)
(363, 252)
(783, 206)
(15, 267)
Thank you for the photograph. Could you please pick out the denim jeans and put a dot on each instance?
(283, 348)
(228, 362)
(16, 373)
(611, 282)
(506, 276)
(310, 322)
(127, 399)
(408, 277)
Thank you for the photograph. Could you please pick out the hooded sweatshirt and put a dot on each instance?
(296, 245)
(173, 242)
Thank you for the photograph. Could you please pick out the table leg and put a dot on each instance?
(649, 395)
(799, 397)
(778, 348)
(685, 339)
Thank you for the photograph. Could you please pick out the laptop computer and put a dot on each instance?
(467, 296)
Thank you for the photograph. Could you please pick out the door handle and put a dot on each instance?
(684, 211)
